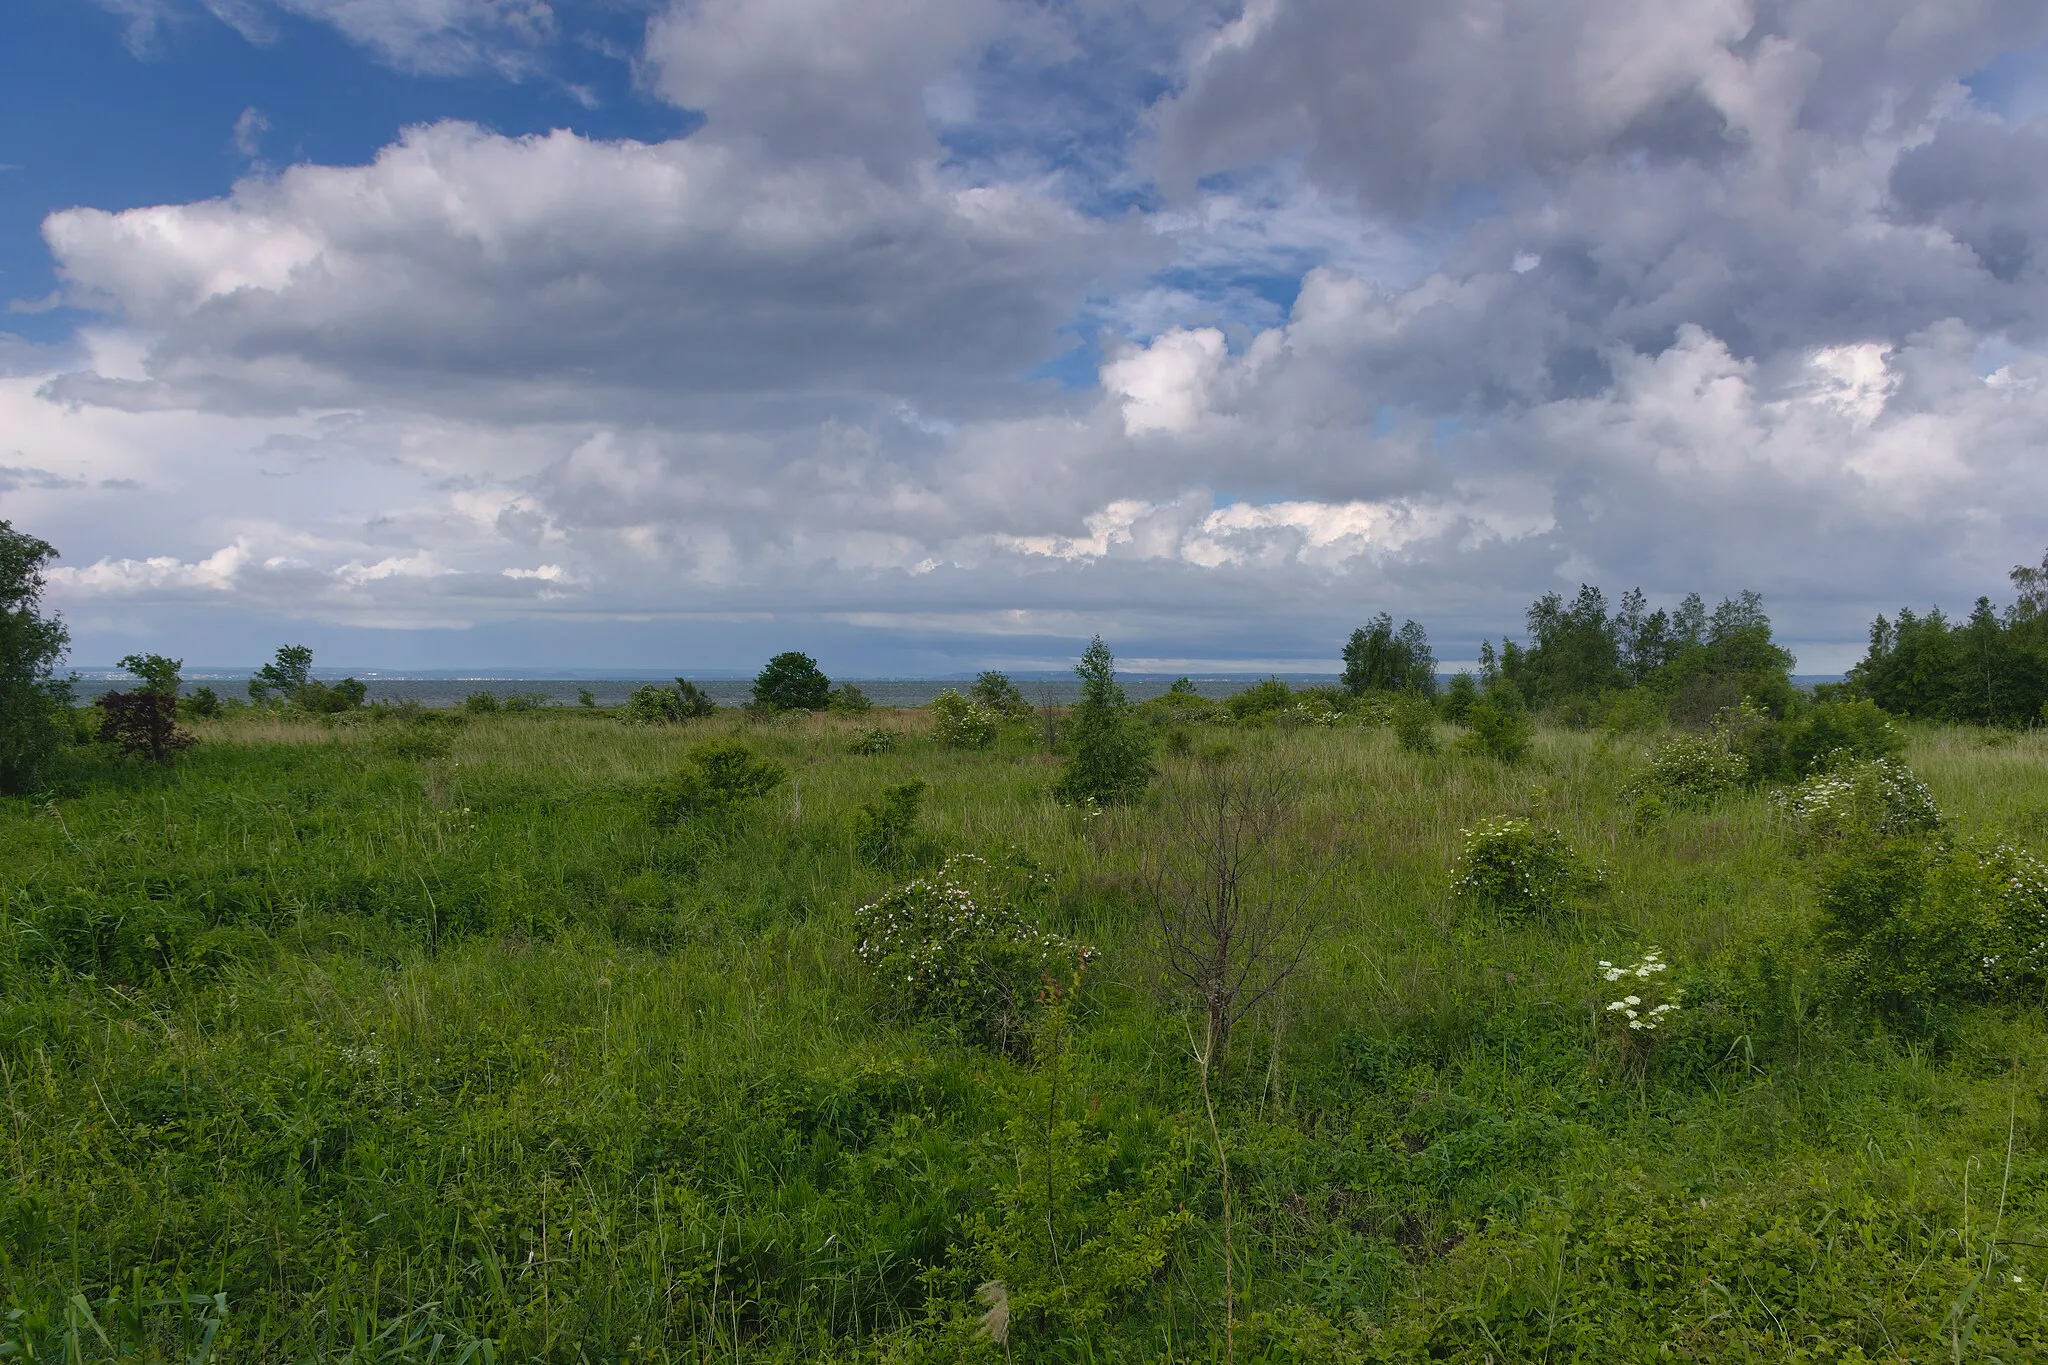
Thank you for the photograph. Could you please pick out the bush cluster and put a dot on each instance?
(950, 948)
(1521, 869)
(1878, 798)
(961, 722)
(724, 781)
(1914, 927)
(1690, 770)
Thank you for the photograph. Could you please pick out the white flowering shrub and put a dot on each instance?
(1691, 770)
(873, 740)
(952, 947)
(1875, 798)
(1313, 712)
(1521, 869)
(961, 722)
(1916, 926)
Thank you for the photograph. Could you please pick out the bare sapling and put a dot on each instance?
(1232, 926)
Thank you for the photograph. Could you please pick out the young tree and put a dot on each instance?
(144, 722)
(1110, 754)
(792, 682)
(285, 676)
(1378, 658)
(30, 646)
(995, 691)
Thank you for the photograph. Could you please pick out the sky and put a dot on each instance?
(934, 335)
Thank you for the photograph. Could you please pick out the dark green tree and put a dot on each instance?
(1378, 658)
(1109, 752)
(792, 682)
(31, 644)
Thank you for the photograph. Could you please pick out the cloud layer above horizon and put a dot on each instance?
(949, 332)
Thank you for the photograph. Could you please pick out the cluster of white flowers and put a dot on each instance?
(1639, 1016)
(2022, 882)
(1690, 769)
(938, 942)
(1314, 711)
(1516, 867)
(1880, 795)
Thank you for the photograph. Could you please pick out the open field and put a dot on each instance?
(410, 1042)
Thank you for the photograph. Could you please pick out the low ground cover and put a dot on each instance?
(520, 1036)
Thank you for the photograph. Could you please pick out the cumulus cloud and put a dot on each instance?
(1424, 306)
(554, 269)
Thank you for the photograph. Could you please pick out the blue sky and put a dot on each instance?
(929, 334)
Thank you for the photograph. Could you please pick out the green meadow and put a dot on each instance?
(426, 1040)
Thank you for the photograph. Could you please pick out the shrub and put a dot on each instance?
(995, 691)
(1414, 721)
(1830, 734)
(1497, 731)
(142, 724)
(652, 705)
(846, 700)
(1460, 697)
(1310, 711)
(202, 703)
(1636, 711)
(519, 703)
(960, 723)
(792, 682)
(875, 740)
(481, 704)
(1878, 798)
(952, 948)
(1521, 870)
(1914, 927)
(725, 780)
(1110, 757)
(1260, 700)
(885, 830)
(1691, 770)
(586, 699)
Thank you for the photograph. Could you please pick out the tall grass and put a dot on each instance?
(327, 1044)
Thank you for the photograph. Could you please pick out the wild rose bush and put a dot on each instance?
(953, 948)
(962, 723)
(1879, 798)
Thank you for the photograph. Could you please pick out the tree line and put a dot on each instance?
(1581, 662)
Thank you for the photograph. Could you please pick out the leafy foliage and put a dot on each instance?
(953, 947)
(885, 830)
(1520, 869)
(725, 781)
(142, 724)
(848, 700)
(31, 643)
(873, 740)
(1109, 752)
(1378, 658)
(283, 676)
(1991, 669)
(1414, 721)
(1263, 699)
(1690, 770)
(1498, 731)
(960, 722)
(1917, 927)
(653, 705)
(792, 682)
(995, 691)
(1877, 798)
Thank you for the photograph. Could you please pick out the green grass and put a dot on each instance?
(354, 1044)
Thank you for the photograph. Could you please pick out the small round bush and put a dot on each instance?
(962, 723)
(1878, 798)
(874, 740)
(1414, 721)
(1691, 770)
(1520, 869)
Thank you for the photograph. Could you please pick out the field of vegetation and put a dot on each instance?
(544, 1036)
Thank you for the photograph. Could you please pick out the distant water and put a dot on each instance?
(446, 691)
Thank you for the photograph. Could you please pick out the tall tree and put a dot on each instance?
(31, 644)
(1109, 753)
